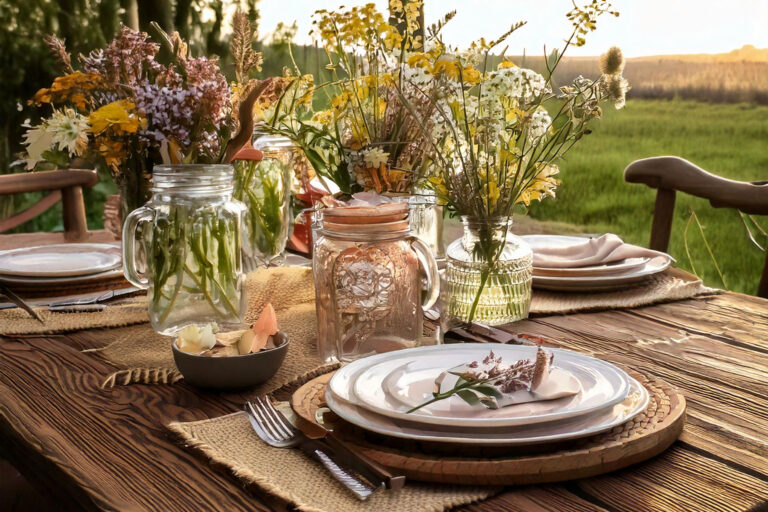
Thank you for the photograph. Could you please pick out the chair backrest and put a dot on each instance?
(668, 174)
(65, 185)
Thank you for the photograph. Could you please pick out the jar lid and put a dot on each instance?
(384, 227)
(379, 214)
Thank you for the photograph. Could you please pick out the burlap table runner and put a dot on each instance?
(291, 475)
(671, 285)
(146, 357)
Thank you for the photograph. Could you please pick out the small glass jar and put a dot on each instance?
(488, 274)
(368, 286)
(265, 189)
(190, 245)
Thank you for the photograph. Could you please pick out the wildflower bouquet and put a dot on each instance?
(365, 139)
(126, 110)
(495, 137)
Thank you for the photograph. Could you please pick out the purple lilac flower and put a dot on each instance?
(126, 60)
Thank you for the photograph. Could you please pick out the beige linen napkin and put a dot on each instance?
(593, 251)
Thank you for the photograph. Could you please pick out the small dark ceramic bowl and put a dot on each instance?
(231, 372)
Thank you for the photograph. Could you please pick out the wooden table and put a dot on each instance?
(109, 449)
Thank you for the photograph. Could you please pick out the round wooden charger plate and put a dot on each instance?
(647, 434)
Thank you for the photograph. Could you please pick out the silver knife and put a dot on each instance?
(94, 299)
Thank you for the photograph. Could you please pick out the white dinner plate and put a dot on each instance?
(582, 426)
(398, 381)
(42, 282)
(590, 283)
(60, 260)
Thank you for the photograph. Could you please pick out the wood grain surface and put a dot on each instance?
(108, 449)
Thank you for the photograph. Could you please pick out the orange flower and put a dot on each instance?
(73, 88)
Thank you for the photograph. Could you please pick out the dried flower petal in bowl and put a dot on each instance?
(234, 359)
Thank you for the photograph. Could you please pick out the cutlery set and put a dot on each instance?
(354, 471)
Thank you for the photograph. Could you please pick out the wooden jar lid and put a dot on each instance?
(383, 213)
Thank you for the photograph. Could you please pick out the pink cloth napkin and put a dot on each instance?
(594, 251)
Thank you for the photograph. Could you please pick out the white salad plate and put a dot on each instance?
(395, 382)
(60, 260)
(635, 402)
(591, 283)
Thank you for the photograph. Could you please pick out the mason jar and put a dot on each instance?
(368, 284)
(188, 255)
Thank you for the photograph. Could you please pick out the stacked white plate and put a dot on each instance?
(60, 264)
(376, 393)
(611, 276)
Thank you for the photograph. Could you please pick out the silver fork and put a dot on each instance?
(274, 430)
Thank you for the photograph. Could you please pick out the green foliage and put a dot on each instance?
(728, 140)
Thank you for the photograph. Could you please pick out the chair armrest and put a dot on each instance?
(47, 180)
(674, 173)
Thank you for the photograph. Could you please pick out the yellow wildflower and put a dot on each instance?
(493, 194)
(447, 68)
(119, 116)
(420, 60)
(506, 64)
(323, 117)
(543, 185)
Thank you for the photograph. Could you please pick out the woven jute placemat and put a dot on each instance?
(291, 475)
(146, 357)
(668, 286)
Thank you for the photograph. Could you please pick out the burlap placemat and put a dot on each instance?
(291, 475)
(670, 285)
(146, 357)
(129, 311)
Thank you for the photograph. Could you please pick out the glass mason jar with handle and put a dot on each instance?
(189, 251)
(368, 282)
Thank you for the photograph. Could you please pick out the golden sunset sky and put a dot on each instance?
(645, 27)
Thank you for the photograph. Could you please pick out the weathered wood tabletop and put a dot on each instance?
(109, 449)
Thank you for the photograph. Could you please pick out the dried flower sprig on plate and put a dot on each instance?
(482, 382)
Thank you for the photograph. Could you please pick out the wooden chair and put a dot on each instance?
(668, 174)
(66, 185)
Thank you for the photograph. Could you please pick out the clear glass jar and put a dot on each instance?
(190, 246)
(265, 189)
(493, 262)
(369, 289)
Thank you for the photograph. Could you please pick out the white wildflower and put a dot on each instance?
(70, 131)
(374, 157)
(539, 124)
(38, 140)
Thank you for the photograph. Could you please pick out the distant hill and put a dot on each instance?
(747, 53)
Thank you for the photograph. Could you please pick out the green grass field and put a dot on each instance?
(729, 140)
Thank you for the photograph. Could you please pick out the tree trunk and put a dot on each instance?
(160, 11)
(131, 13)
